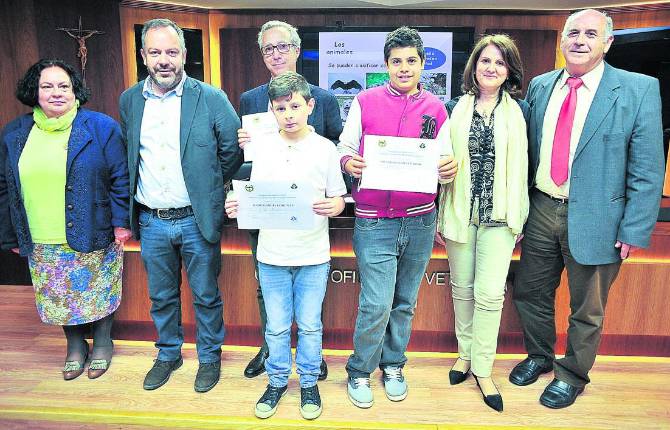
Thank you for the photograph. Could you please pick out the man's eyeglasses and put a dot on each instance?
(282, 47)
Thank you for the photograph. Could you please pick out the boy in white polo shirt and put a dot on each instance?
(294, 265)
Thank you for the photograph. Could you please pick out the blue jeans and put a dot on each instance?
(165, 243)
(392, 256)
(289, 291)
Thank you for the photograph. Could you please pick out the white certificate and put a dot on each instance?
(262, 127)
(275, 204)
(400, 164)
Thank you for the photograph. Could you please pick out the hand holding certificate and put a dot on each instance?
(259, 127)
(400, 164)
(274, 205)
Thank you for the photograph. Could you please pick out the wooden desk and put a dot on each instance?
(636, 323)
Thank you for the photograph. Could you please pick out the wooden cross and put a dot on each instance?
(80, 35)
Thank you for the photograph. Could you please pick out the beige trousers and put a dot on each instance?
(478, 274)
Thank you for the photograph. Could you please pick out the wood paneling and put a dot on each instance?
(130, 16)
(240, 76)
(18, 49)
(632, 324)
(28, 33)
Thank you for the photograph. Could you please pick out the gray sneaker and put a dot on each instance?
(395, 385)
(359, 392)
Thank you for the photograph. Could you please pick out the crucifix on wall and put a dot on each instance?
(80, 35)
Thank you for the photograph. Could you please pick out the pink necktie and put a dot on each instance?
(560, 152)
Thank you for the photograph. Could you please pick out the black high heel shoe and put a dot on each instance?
(456, 376)
(493, 401)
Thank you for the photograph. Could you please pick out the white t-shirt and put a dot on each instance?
(314, 159)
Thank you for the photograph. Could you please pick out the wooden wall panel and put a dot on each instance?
(28, 33)
(18, 49)
(632, 324)
(129, 16)
(105, 60)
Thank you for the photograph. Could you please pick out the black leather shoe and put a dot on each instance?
(160, 373)
(527, 372)
(257, 364)
(559, 394)
(323, 374)
(456, 376)
(207, 377)
(493, 401)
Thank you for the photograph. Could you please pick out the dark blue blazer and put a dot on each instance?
(325, 117)
(96, 190)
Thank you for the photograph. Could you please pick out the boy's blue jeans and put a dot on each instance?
(289, 291)
(392, 257)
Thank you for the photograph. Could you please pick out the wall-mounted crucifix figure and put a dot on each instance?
(80, 35)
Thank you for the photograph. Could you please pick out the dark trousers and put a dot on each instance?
(253, 243)
(544, 254)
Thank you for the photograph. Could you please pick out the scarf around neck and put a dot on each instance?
(60, 123)
(510, 183)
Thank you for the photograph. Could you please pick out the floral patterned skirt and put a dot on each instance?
(76, 287)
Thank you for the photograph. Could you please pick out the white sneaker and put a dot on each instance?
(359, 392)
(395, 385)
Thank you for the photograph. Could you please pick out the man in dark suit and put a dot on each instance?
(279, 44)
(182, 147)
(596, 165)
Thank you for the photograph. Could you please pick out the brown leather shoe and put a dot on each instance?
(73, 369)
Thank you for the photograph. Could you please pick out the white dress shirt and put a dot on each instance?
(585, 95)
(161, 180)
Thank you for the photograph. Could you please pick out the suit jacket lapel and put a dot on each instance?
(135, 127)
(189, 101)
(263, 100)
(603, 103)
(540, 102)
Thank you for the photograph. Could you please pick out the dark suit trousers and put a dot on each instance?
(253, 243)
(544, 254)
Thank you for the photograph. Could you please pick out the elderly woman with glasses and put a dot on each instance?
(64, 205)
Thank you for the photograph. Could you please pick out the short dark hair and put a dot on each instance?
(162, 23)
(288, 83)
(403, 37)
(27, 89)
(511, 56)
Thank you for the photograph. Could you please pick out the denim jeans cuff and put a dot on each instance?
(353, 373)
(382, 366)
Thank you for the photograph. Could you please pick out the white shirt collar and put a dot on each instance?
(591, 79)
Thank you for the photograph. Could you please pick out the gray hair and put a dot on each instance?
(292, 31)
(288, 83)
(160, 23)
(609, 24)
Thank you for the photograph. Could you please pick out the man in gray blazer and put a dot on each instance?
(596, 165)
(279, 44)
(182, 147)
